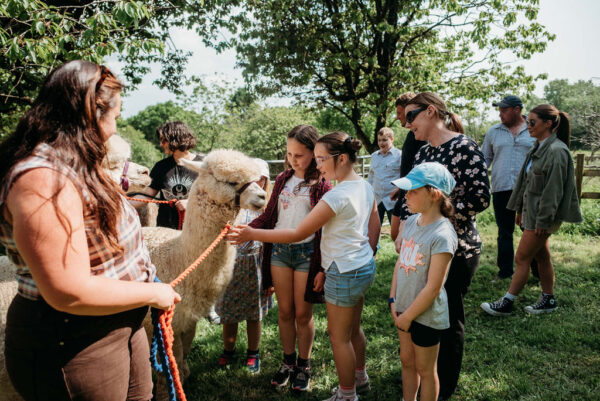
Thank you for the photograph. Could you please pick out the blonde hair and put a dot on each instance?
(386, 132)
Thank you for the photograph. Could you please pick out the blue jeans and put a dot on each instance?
(347, 289)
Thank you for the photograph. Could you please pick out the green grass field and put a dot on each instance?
(522, 357)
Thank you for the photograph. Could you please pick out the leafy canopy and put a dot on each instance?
(357, 56)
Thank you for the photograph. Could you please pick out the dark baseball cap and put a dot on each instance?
(509, 101)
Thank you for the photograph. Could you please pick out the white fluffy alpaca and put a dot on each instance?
(118, 152)
(211, 205)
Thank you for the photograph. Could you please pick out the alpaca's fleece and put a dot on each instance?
(211, 205)
(118, 151)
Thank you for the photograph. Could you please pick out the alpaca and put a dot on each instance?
(211, 205)
(118, 152)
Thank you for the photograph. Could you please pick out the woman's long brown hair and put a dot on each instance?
(65, 115)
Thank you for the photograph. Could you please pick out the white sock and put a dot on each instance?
(347, 394)
(361, 376)
(510, 296)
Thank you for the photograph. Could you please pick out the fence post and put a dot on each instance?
(579, 174)
(362, 167)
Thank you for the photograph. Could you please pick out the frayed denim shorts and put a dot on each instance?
(347, 289)
(295, 256)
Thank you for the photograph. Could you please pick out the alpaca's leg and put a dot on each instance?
(182, 347)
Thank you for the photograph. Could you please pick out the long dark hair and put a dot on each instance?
(307, 135)
(338, 143)
(451, 120)
(560, 121)
(65, 115)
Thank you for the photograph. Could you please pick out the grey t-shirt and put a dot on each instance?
(418, 244)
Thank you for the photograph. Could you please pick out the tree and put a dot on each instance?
(36, 36)
(143, 151)
(356, 56)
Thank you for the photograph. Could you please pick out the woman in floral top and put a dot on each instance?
(428, 118)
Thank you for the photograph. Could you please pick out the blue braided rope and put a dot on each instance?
(158, 355)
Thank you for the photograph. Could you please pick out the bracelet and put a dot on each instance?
(391, 300)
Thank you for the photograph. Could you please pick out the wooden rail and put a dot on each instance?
(582, 171)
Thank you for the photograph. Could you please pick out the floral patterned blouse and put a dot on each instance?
(463, 158)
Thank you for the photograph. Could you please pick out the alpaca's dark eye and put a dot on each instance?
(233, 184)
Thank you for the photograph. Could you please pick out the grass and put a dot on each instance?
(522, 357)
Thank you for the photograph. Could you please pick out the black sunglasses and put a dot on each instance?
(411, 115)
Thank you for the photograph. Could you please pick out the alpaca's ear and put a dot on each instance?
(196, 166)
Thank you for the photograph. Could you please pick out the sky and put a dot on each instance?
(573, 55)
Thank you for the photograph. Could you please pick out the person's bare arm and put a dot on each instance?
(56, 251)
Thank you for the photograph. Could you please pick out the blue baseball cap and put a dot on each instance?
(430, 173)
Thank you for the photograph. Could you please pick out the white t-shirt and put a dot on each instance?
(293, 205)
(345, 237)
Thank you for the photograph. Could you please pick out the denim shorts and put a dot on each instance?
(347, 289)
(295, 256)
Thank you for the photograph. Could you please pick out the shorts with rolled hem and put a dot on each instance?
(294, 256)
(423, 336)
(347, 289)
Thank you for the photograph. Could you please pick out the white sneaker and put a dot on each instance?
(336, 397)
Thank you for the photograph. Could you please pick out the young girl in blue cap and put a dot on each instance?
(418, 301)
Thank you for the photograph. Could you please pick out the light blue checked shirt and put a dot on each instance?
(383, 170)
(505, 154)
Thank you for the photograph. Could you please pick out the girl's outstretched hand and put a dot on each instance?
(165, 297)
(240, 234)
(402, 323)
(319, 282)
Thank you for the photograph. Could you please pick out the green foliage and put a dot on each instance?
(357, 57)
(36, 36)
(143, 151)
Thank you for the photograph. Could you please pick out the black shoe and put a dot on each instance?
(301, 380)
(545, 304)
(502, 307)
(282, 376)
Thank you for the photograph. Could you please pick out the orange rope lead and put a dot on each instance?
(166, 318)
(165, 202)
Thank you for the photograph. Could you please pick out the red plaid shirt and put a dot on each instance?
(268, 219)
(130, 264)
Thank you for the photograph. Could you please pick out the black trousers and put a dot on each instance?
(382, 212)
(459, 279)
(505, 220)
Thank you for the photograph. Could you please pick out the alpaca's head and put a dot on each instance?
(118, 152)
(223, 173)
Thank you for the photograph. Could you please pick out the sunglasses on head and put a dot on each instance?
(411, 115)
(104, 73)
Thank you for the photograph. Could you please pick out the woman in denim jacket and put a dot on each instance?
(544, 197)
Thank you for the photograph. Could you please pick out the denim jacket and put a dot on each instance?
(547, 194)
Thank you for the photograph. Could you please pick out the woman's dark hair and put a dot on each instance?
(338, 142)
(560, 121)
(65, 115)
(177, 134)
(426, 99)
(307, 135)
(446, 207)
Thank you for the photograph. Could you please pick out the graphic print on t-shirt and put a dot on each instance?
(291, 191)
(409, 256)
(178, 184)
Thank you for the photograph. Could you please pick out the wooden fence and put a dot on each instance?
(586, 166)
(362, 166)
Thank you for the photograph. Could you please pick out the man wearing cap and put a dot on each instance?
(505, 147)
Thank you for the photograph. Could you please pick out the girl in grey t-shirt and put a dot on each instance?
(418, 302)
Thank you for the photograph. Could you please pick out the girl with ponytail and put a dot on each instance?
(350, 221)
(430, 120)
(544, 196)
